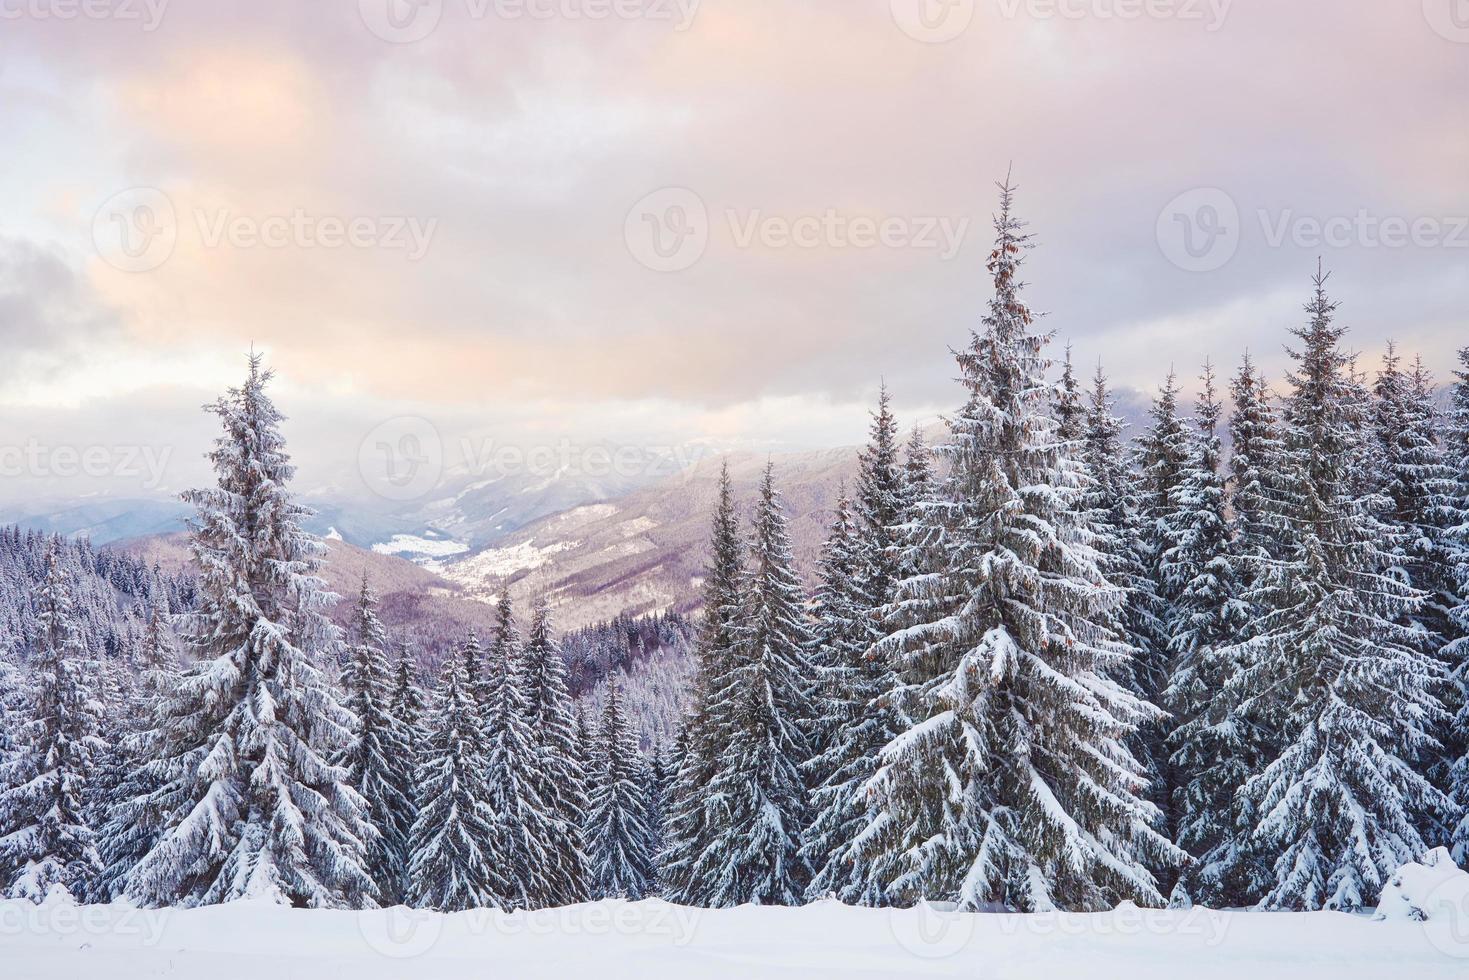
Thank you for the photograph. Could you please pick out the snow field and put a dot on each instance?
(652, 940)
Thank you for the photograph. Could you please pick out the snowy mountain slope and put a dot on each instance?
(102, 519)
(646, 551)
(652, 939)
(417, 603)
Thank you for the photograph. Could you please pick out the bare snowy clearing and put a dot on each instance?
(653, 939)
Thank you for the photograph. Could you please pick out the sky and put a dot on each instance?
(661, 222)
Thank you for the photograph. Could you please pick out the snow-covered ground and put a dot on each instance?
(652, 940)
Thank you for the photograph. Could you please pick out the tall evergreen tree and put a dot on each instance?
(478, 678)
(1162, 462)
(917, 473)
(1067, 408)
(619, 841)
(252, 805)
(690, 822)
(656, 779)
(1255, 467)
(864, 560)
(558, 778)
(1013, 786)
(852, 723)
(1212, 752)
(408, 707)
(46, 839)
(379, 743)
(1456, 451)
(1419, 482)
(523, 825)
(130, 826)
(1110, 502)
(1330, 671)
(454, 864)
(879, 505)
(762, 805)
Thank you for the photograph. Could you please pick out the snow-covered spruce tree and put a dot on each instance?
(619, 843)
(477, 678)
(131, 825)
(656, 779)
(762, 806)
(861, 566)
(408, 706)
(46, 840)
(1014, 786)
(1240, 873)
(1255, 469)
(252, 806)
(851, 723)
(408, 703)
(1212, 749)
(879, 505)
(1329, 672)
(115, 689)
(524, 828)
(1110, 502)
(558, 777)
(1419, 482)
(1456, 451)
(373, 760)
(453, 864)
(689, 829)
(1162, 462)
(1067, 408)
(917, 478)
(11, 697)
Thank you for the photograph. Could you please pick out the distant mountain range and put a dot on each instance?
(595, 545)
(638, 553)
(646, 551)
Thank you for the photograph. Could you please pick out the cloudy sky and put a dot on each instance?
(653, 221)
